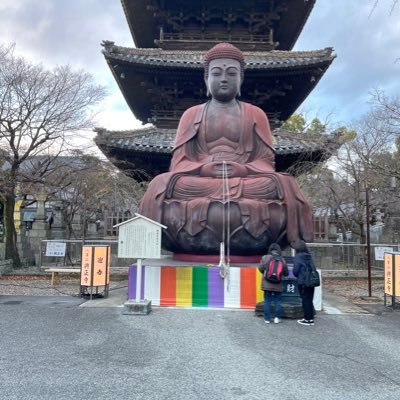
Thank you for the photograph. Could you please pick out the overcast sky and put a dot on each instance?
(365, 39)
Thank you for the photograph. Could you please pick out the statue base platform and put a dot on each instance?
(170, 283)
(291, 308)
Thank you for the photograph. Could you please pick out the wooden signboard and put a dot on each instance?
(95, 270)
(388, 273)
(380, 252)
(139, 237)
(55, 249)
(396, 279)
(87, 265)
(101, 266)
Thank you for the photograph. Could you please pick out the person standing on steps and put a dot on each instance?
(302, 261)
(273, 264)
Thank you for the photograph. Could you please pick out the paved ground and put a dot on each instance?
(56, 347)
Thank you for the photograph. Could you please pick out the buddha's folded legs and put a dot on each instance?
(255, 212)
(259, 210)
(199, 225)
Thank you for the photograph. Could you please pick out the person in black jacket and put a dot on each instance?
(301, 261)
(272, 290)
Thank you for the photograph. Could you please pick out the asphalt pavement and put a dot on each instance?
(67, 348)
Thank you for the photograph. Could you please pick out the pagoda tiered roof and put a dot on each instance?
(163, 76)
(197, 25)
(146, 152)
(159, 85)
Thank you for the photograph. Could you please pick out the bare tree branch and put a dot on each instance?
(40, 111)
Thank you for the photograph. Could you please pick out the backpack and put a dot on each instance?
(274, 271)
(311, 276)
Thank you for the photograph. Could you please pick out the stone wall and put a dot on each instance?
(5, 266)
(2, 250)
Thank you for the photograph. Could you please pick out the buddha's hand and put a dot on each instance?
(215, 170)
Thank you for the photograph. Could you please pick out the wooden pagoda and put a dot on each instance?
(163, 75)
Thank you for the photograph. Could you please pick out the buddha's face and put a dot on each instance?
(224, 79)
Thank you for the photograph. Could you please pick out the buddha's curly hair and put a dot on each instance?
(224, 50)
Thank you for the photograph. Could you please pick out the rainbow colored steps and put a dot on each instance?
(198, 286)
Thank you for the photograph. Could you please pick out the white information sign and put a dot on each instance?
(139, 237)
(380, 251)
(55, 249)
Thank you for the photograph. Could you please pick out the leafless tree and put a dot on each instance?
(369, 161)
(384, 116)
(40, 110)
(394, 4)
(86, 186)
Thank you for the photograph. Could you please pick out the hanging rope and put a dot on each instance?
(228, 218)
(224, 263)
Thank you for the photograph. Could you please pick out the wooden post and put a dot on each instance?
(138, 279)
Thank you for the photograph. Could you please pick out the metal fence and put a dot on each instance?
(332, 255)
(73, 253)
(349, 255)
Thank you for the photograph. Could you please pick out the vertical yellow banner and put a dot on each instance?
(397, 275)
(108, 265)
(388, 271)
(86, 268)
(101, 265)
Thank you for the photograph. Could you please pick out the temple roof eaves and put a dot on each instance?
(288, 19)
(194, 59)
(162, 140)
(145, 152)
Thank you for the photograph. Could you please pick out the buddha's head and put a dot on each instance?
(224, 71)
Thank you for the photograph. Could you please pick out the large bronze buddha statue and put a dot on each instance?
(222, 182)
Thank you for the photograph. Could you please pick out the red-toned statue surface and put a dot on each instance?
(222, 182)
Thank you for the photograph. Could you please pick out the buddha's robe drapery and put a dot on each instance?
(181, 198)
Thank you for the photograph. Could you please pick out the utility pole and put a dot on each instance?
(368, 240)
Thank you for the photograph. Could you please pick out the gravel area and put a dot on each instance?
(41, 286)
(356, 290)
(35, 282)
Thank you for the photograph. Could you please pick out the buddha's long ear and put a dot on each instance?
(239, 93)
(208, 90)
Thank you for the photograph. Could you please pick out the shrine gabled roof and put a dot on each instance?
(159, 85)
(286, 20)
(149, 149)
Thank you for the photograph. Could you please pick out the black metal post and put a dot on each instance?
(368, 241)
